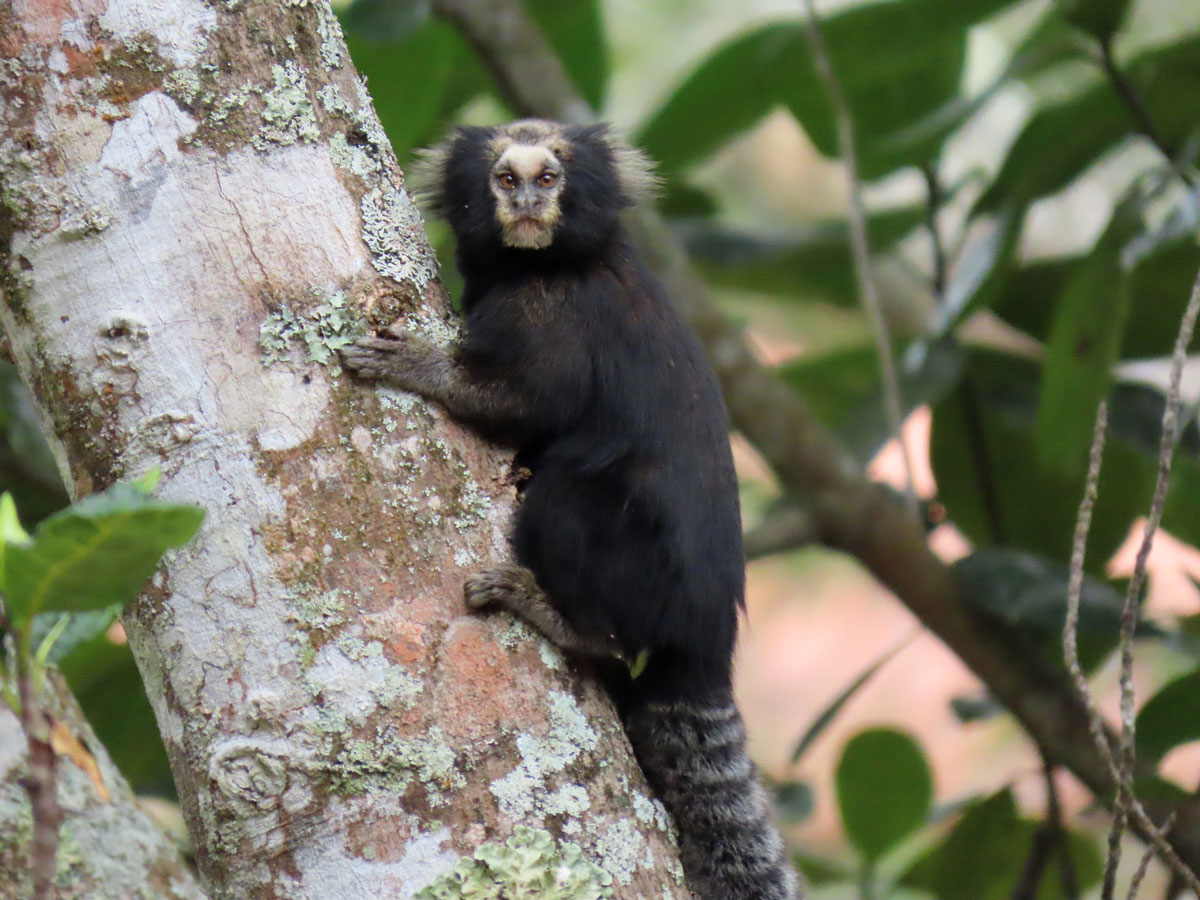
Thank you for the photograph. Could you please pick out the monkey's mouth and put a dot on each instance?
(529, 232)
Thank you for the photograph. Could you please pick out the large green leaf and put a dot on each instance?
(1169, 718)
(897, 62)
(1085, 339)
(94, 554)
(884, 790)
(996, 492)
(984, 855)
(576, 32)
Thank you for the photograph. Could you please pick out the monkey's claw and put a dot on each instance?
(369, 357)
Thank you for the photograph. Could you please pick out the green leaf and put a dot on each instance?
(995, 490)
(11, 531)
(94, 554)
(576, 32)
(79, 628)
(1084, 343)
(1030, 592)
(105, 680)
(1169, 718)
(884, 790)
(1160, 286)
(818, 871)
(984, 855)
(1099, 18)
(830, 712)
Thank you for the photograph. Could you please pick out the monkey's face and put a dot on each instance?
(527, 182)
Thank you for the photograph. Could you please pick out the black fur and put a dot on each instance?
(629, 520)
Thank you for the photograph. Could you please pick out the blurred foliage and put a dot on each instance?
(1013, 402)
(63, 586)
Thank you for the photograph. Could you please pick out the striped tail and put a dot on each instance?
(694, 755)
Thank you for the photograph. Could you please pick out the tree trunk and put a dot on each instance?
(199, 207)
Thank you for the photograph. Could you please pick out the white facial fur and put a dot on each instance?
(527, 181)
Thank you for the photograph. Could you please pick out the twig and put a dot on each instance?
(40, 785)
(860, 246)
(1144, 865)
(1066, 864)
(1141, 115)
(1121, 760)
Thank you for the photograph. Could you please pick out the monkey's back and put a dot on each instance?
(630, 519)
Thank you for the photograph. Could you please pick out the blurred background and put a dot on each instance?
(1031, 196)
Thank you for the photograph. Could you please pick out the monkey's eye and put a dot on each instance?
(547, 179)
(507, 181)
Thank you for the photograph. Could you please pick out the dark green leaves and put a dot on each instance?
(94, 554)
(983, 856)
(884, 790)
(1169, 718)
(1100, 18)
(995, 489)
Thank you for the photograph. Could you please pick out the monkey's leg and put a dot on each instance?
(516, 589)
(417, 365)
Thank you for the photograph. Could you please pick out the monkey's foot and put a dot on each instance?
(510, 587)
(515, 589)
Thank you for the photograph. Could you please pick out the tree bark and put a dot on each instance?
(199, 207)
(108, 847)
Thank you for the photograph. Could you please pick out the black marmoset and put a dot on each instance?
(628, 538)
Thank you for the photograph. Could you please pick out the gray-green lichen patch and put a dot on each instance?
(353, 159)
(530, 865)
(321, 329)
(388, 764)
(527, 788)
(287, 111)
(393, 232)
(353, 678)
(623, 849)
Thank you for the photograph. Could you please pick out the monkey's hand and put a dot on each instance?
(409, 362)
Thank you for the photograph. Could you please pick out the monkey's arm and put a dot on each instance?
(416, 365)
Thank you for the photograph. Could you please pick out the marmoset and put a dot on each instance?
(628, 539)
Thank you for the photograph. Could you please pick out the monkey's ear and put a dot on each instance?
(635, 171)
(425, 178)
